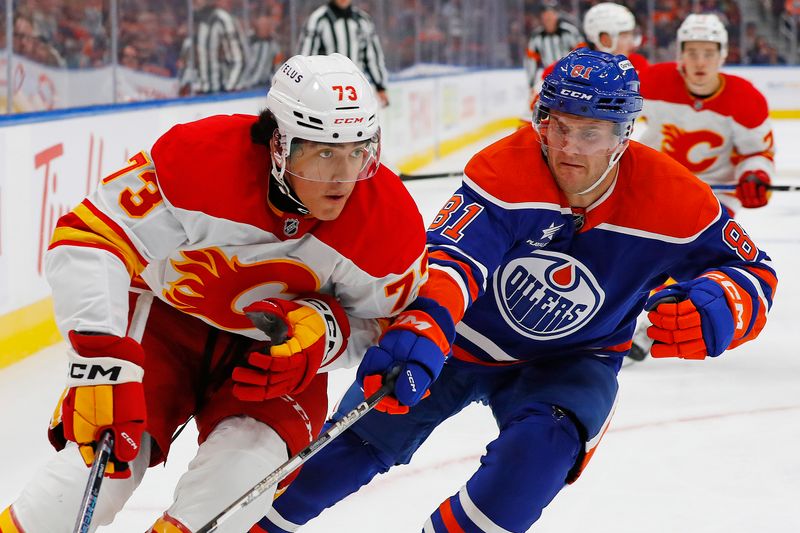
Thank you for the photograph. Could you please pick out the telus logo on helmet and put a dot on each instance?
(292, 73)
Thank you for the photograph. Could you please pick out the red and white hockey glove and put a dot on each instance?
(753, 189)
(308, 333)
(104, 392)
(418, 341)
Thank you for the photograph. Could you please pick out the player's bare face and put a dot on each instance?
(627, 42)
(701, 64)
(578, 150)
(324, 175)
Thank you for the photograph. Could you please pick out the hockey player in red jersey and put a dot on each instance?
(160, 277)
(543, 258)
(715, 124)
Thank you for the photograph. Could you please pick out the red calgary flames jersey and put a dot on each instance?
(192, 219)
(717, 138)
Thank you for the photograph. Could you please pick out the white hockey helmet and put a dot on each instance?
(610, 18)
(324, 99)
(704, 28)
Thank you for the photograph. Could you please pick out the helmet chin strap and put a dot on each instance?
(285, 189)
(615, 156)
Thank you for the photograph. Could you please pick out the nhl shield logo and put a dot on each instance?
(547, 295)
(290, 227)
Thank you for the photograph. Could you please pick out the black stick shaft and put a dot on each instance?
(92, 492)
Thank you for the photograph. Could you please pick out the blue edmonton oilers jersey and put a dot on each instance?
(533, 278)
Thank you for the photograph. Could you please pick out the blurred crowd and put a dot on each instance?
(153, 34)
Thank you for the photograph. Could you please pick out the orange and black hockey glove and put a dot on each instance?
(104, 392)
(753, 189)
(418, 341)
(306, 333)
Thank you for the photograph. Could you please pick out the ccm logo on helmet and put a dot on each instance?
(575, 94)
(349, 120)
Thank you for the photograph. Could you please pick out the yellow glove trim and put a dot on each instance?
(307, 328)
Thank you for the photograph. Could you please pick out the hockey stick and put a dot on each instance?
(455, 174)
(92, 492)
(411, 177)
(720, 187)
(306, 453)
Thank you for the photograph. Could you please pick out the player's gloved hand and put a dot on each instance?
(691, 320)
(305, 333)
(753, 189)
(104, 392)
(418, 341)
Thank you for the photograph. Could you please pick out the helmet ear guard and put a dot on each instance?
(276, 148)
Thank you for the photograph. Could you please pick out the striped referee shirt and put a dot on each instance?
(220, 51)
(265, 56)
(350, 32)
(546, 48)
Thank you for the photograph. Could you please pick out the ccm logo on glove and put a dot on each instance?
(78, 371)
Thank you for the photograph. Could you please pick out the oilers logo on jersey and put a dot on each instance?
(547, 295)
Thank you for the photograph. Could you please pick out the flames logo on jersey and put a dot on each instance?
(678, 144)
(215, 288)
(547, 295)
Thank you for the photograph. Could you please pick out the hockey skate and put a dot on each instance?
(641, 342)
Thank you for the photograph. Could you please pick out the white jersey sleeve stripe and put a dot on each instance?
(476, 515)
(482, 342)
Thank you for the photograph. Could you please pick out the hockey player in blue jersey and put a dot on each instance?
(543, 259)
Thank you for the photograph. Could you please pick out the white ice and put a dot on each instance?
(700, 447)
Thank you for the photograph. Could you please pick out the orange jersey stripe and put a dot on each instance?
(446, 291)
(623, 347)
(472, 285)
(449, 518)
(766, 276)
(463, 355)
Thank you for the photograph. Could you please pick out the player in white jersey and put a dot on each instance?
(161, 276)
(713, 123)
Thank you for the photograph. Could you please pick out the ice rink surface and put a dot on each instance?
(694, 447)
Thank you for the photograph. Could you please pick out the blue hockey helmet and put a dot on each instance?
(593, 84)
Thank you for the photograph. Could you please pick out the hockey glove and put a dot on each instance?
(104, 392)
(307, 333)
(418, 341)
(753, 189)
(691, 320)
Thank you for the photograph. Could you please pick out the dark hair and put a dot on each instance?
(261, 132)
